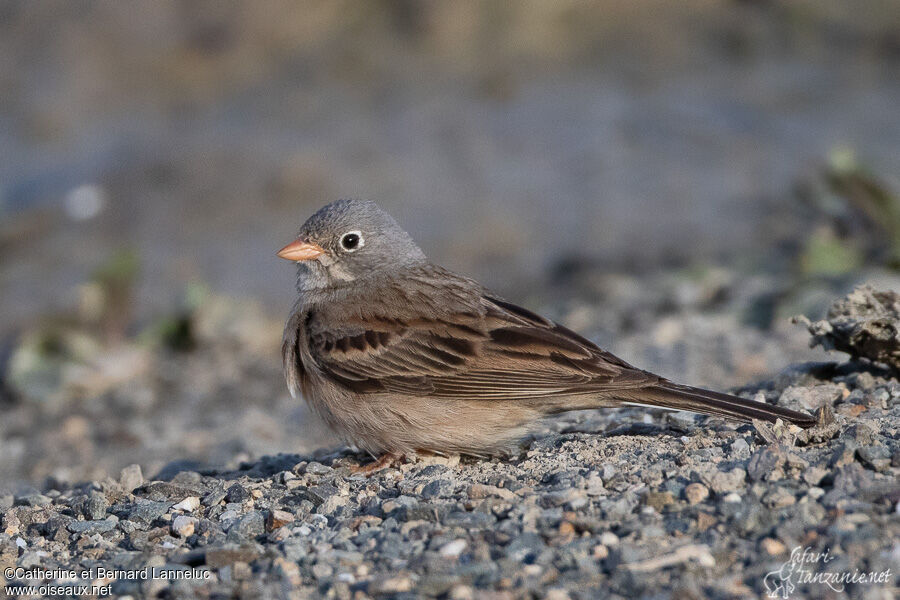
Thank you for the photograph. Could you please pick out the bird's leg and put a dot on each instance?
(386, 460)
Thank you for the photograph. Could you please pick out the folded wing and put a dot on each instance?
(490, 351)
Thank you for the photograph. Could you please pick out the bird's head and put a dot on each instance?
(346, 241)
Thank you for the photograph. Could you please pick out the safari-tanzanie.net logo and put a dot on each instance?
(808, 567)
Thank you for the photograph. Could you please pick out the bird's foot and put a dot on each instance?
(385, 461)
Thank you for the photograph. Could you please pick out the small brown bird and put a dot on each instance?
(399, 355)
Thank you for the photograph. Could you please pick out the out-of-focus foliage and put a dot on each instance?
(855, 218)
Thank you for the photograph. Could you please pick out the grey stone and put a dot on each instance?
(127, 527)
(94, 506)
(765, 463)
(620, 508)
(424, 512)
(250, 525)
(438, 488)
(860, 433)
(393, 504)
(56, 528)
(131, 478)
(322, 571)
(147, 511)
(805, 398)
(30, 560)
(296, 549)
(723, 482)
(875, 457)
(332, 504)
(469, 520)
(432, 471)
(844, 453)
(91, 527)
(316, 468)
(214, 497)
(317, 494)
(161, 491)
(527, 544)
(34, 500)
(864, 380)
(740, 448)
(237, 494)
(184, 526)
(814, 475)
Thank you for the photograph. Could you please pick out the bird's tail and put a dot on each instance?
(667, 394)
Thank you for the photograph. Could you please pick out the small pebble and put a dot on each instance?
(184, 526)
(237, 494)
(131, 478)
(773, 547)
(608, 538)
(278, 518)
(695, 493)
(453, 549)
(189, 504)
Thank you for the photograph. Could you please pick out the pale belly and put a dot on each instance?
(380, 423)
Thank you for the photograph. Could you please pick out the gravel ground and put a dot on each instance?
(661, 504)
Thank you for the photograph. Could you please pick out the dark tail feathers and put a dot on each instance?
(682, 397)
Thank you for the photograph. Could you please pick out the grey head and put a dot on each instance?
(346, 241)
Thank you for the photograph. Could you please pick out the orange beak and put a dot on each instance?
(299, 250)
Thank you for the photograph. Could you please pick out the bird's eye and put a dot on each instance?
(351, 241)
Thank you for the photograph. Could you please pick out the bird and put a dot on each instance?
(400, 356)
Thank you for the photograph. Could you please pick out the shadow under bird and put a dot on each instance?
(399, 355)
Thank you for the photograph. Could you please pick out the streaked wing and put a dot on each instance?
(492, 351)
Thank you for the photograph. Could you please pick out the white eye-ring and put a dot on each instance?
(352, 241)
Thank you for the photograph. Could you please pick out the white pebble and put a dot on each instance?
(189, 504)
(183, 526)
(453, 549)
(608, 538)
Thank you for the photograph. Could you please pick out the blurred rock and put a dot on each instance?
(865, 324)
(131, 478)
(696, 493)
(184, 526)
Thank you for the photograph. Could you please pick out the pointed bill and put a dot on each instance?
(300, 250)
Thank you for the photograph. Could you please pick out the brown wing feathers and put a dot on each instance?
(500, 351)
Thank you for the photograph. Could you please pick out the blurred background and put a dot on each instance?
(674, 180)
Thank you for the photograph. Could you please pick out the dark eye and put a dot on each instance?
(351, 241)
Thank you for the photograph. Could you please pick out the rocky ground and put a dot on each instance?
(597, 504)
